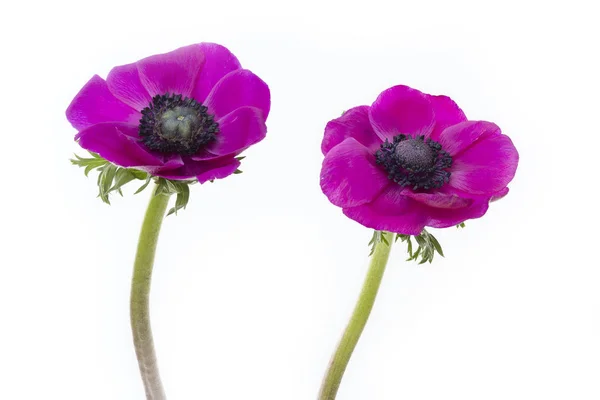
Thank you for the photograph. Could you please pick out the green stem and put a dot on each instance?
(140, 291)
(362, 310)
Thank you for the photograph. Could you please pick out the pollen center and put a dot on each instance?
(415, 154)
(417, 162)
(173, 124)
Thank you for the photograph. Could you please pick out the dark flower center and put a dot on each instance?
(174, 124)
(415, 162)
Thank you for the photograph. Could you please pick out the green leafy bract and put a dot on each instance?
(377, 238)
(428, 245)
(111, 178)
(180, 188)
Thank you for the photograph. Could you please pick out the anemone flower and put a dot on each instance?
(408, 161)
(176, 118)
(180, 115)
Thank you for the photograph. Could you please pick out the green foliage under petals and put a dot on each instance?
(427, 246)
(180, 188)
(461, 225)
(112, 178)
(377, 238)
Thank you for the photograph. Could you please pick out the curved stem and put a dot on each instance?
(359, 318)
(140, 291)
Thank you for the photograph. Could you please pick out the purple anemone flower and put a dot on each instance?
(412, 160)
(179, 115)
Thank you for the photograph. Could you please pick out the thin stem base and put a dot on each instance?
(360, 315)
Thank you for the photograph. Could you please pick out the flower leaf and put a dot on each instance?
(378, 237)
(89, 163)
(145, 185)
(105, 180)
(111, 178)
(180, 188)
(436, 245)
(427, 246)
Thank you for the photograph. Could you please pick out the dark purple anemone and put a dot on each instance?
(179, 115)
(413, 160)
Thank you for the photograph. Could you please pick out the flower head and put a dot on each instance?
(179, 115)
(412, 160)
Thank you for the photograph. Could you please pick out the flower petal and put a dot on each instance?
(353, 123)
(237, 89)
(444, 198)
(203, 154)
(402, 109)
(109, 140)
(173, 72)
(443, 218)
(218, 62)
(447, 113)
(203, 170)
(218, 171)
(95, 103)
(486, 167)
(350, 176)
(499, 195)
(459, 137)
(391, 211)
(125, 84)
(238, 130)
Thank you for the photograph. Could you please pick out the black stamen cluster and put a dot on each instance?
(415, 162)
(200, 129)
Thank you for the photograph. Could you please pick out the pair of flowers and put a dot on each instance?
(408, 161)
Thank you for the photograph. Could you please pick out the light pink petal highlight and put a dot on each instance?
(486, 167)
(218, 62)
(174, 72)
(238, 89)
(125, 84)
(238, 130)
(459, 137)
(447, 113)
(350, 176)
(391, 211)
(402, 110)
(95, 104)
(354, 123)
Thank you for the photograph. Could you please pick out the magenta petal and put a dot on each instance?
(173, 72)
(391, 211)
(497, 196)
(109, 140)
(218, 171)
(218, 62)
(203, 155)
(350, 176)
(238, 130)
(203, 170)
(441, 199)
(459, 137)
(447, 113)
(402, 110)
(95, 103)
(354, 123)
(237, 89)
(486, 167)
(443, 218)
(125, 84)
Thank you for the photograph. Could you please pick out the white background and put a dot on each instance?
(256, 279)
